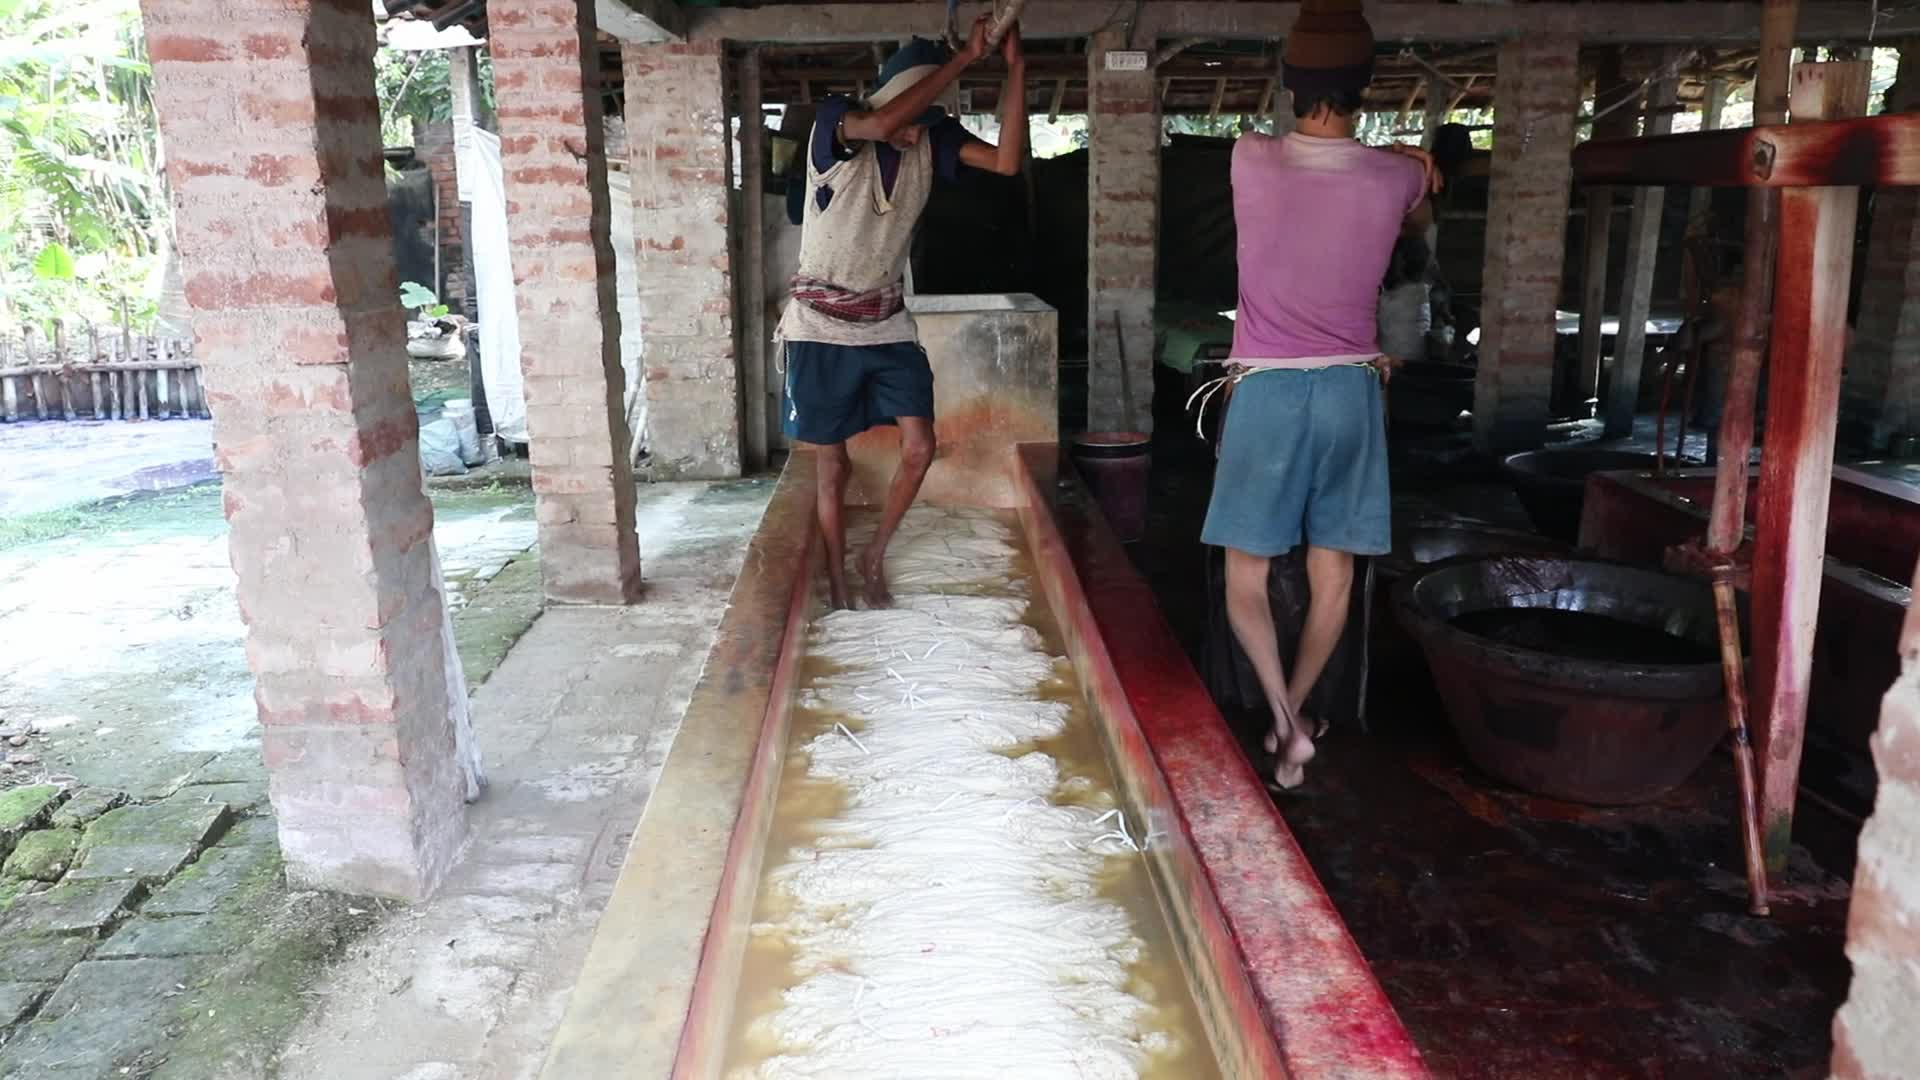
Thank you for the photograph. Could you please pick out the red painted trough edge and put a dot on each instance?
(1327, 1013)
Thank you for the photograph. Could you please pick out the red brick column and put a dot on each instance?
(1123, 234)
(1538, 97)
(273, 151)
(1875, 1035)
(681, 150)
(546, 82)
(1882, 383)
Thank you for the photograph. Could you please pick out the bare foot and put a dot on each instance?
(873, 567)
(1291, 768)
(837, 587)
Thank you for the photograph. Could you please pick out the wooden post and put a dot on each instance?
(1700, 203)
(96, 378)
(754, 375)
(1609, 85)
(33, 380)
(1436, 105)
(9, 390)
(60, 376)
(1643, 257)
(1734, 441)
(1815, 268)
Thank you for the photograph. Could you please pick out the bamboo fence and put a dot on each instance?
(91, 375)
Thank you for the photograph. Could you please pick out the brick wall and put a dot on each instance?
(433, 145)
(680, 148)
(273, 155)
(546, 79)
(1881, 388)
(1875, 1035)
(1123, 232)
(1539, 95)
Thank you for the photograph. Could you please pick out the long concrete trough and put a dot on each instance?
(1279, 986)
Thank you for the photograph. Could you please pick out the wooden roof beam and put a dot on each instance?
(642, 22)
(1697, 24)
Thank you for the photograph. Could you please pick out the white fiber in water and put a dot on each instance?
(947, 923)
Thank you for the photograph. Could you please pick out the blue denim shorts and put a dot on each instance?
(1303, 458)
(833, 392)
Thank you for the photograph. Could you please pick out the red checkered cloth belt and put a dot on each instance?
(872, 306)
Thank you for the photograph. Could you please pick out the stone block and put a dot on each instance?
(43, 855)
(104, 1017)
(85, 805)
(228, 871)
(73, 907)
(148, 843)
(41, 958)
(25, 808)
(232, 767)
(147, 937)
(18, 1000)
(165, 775)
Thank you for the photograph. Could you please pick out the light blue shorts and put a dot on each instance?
(1303, 457)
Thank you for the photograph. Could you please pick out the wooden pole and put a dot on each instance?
(1734, 442)
(1436, 105)
(1796, 467)
(1700, 203)
(95, 378)
(60, 363)
(34, 381)
(1609, 84)
(1643, 259)
(755, 381)
(9, 390)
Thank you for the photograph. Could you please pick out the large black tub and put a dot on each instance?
(1552, 484)
(1588, 681)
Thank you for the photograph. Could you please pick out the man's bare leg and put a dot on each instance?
(916, 455)
(1330, 594)
(1251, 615)
(831, 493)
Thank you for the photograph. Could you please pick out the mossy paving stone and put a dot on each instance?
(105, 1015)
(226, 871)
(23, 809)
(17, 1001)
(43, 855)
(71, 907)
(233, 767)
(180, 935)
(43, 959)
(85, 805)
(148, 843)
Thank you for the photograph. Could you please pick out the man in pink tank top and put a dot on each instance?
(1303, 456)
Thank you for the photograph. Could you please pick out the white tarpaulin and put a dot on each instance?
(482, 185)
(627, 284)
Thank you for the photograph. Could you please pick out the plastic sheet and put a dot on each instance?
(482, 185)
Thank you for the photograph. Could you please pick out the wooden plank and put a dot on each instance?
(1811, 285)
(1883, 150)
(1692, 24)
(1796, 475)
(60, 377)
(95, 378)
(34, 381)
(1643, 259)
(754, 374)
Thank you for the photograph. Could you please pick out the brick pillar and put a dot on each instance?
(1874, 1035)
(273, 153)
(434, 147)
(1123, 233)
(682, 184)
(1882, 384)
(1538, 77)
(547, 80)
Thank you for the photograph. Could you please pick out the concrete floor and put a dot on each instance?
(575, 725)
(1522, 938)
(58, 464)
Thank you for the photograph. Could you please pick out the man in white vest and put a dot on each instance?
(852, 353)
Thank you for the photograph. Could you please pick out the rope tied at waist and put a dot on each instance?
(848, 305)
(1223, 386)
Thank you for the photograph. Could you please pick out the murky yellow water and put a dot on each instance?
(1086, 778)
